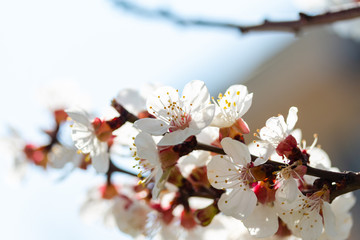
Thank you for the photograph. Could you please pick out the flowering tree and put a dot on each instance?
(196, 170)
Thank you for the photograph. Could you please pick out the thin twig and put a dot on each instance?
(294, 26)
(113, 168)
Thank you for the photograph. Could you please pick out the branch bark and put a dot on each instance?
(295, 26)
(346, 181)
(113, 168)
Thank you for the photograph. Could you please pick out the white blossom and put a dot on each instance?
(232, 172)
(276, 129)
(130, 215)
(178, 117)
(303, 216)
(147, 155)
(86, 140)
(231, 106)
(60, 155)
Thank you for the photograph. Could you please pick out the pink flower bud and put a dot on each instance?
(285, 147)
(187, 220)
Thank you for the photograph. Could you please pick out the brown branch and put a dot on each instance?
(352, 183)
(295, 26)
(345, 181)
(305, 21)
(125, 115)
(113, 168)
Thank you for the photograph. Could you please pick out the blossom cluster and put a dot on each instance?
(198, 177)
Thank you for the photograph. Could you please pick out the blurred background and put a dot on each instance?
(103, 48)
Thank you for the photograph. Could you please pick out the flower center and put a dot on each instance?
(173, 113)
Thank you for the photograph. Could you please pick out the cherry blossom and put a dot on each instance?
(276, 135)
(130, 215)
(60, 155)
(157, 161)
(233, 172)
(230, 108)
(341, 227)
(178, 117)
(91, 137)
(303, 216)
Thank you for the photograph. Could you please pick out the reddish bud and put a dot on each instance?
(108, 191)
(34, 154)
(187, 220)
(60, 115)
(285, 148)
(242, 126)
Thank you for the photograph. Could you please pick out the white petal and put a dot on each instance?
(195, 93)
(177, 137)
(80, 116)
(131, 100)
(311, 226)
(247, 103)
(130, 218)
(264, 151)
(161, 178)
(263, 222)
(220, 120)
(125, 134)
(238, 151)
(146, 148)
(220, 172)
(158, 184)
(203, 117)
(319, 159)
(195, 159)
(292, 118)
(329, 220)
(83, 137)
(343, 203)
(208, 135)
(275, 130)
(297, 134)
(237, 94)
(239, 203)
(100, 158)
(152, 126)
(60, 155)
(288, 191)
(161, 99)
